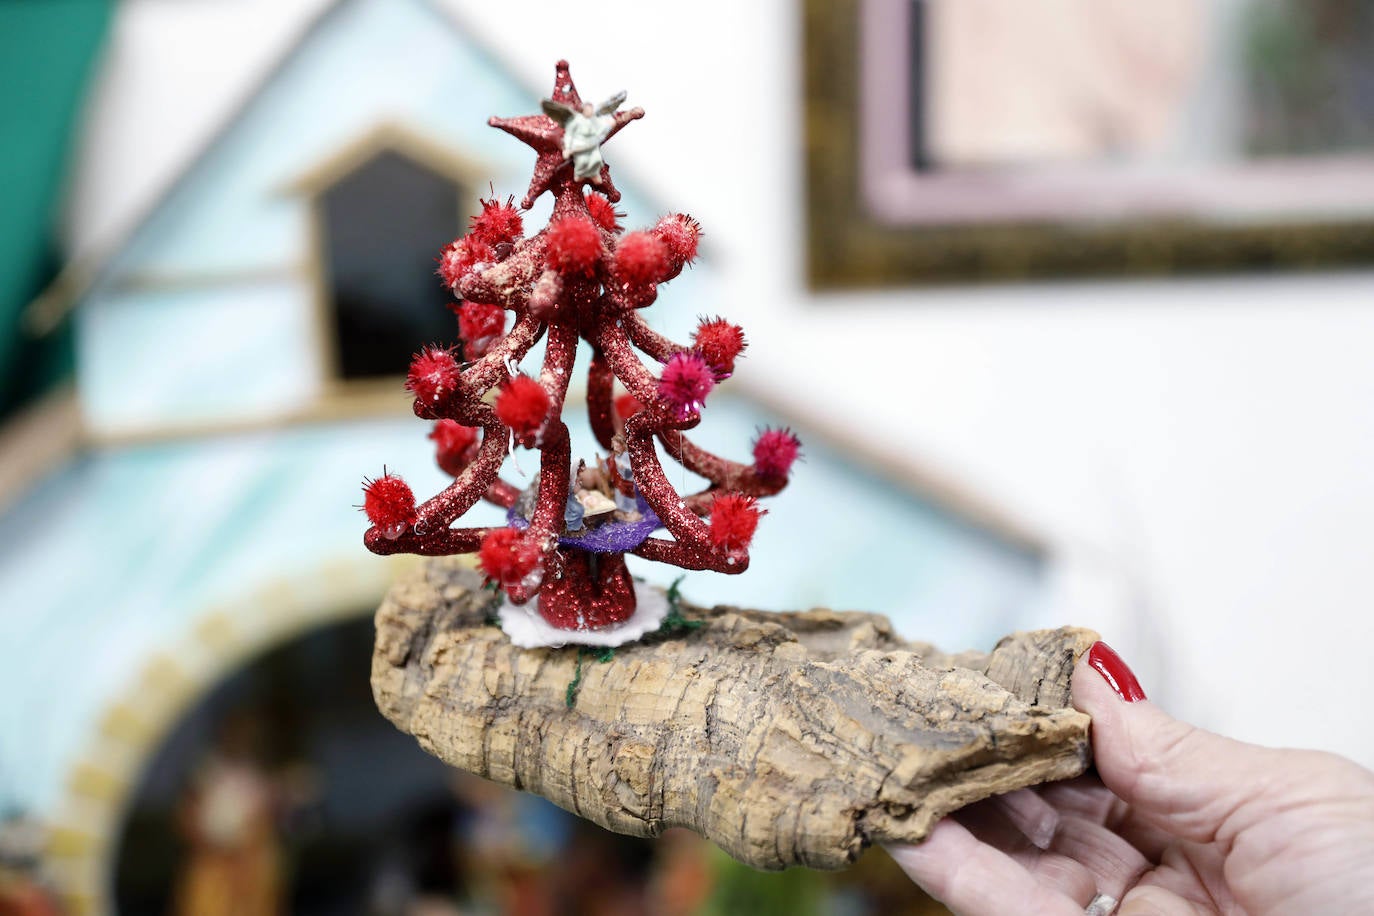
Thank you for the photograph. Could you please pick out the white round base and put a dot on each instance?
(528, 630)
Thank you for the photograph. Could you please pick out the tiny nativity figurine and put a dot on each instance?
(582, 277)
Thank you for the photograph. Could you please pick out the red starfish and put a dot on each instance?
(542, 134)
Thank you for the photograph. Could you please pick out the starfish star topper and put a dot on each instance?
(567, 138)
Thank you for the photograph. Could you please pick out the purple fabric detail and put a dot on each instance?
(612, 537)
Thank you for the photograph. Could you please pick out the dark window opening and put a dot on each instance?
(384, 226)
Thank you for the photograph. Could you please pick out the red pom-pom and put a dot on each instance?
(603, 212)
(461, 256)
(640, 258)
(574, 245)
(685, 382)
(506, 557)
(719, 342)
(734, 518)
(454, 445)
(774, 453)
(523, 405)
(498, 222)
(389, 504)
(679, 233)
(480, 325)
(433, 375)
(627, 405)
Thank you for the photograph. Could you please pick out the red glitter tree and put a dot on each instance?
(581, 277)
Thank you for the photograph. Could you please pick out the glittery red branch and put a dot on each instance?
(600, 388)
(439, 511)
(555, 458)
(559, 355)
(647, 339)
(491, 368)
(507, 283)
(502, 494)
(615, 346)
(654, 486)
(677, 515)
(722, 472)
(433, 544)
(686, 557)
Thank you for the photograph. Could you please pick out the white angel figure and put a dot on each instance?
(583, 133)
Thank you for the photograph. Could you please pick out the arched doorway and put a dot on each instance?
(284, 785)
(357, 817)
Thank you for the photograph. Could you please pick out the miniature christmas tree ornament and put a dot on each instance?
(788, 738)
(560, 559)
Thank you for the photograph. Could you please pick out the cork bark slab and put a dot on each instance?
(786, 738)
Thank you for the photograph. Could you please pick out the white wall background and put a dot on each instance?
(1200, 452)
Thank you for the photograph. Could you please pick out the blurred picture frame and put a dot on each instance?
(958, 140)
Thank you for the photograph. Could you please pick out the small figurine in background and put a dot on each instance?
(234, 862)
(23, 891)
(580, 278)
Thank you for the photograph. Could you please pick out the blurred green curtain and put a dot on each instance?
(47, 49)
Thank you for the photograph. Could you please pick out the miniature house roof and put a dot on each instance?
(118, 178)
(388, 136)
(120, 181)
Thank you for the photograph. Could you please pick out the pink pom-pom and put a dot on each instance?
(685, 382)
(498, 222)
(461, 256)
(679, 233)
(523, 405)
(719, 342)
(433, 376)
(734, 518)
(480, 325)
(454, 445)
(640, 258)
(574, 245)
(389, 504)
(603, 212)
(774, 453)
(506, 557)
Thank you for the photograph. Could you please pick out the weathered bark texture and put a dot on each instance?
(788, 739)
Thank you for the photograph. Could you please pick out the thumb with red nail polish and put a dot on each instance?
(1175, 820)
(1226, 808)
(1182, 779)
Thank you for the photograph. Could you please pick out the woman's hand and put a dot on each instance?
(1176, 820)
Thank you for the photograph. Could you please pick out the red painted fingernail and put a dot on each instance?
(1106, 662)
